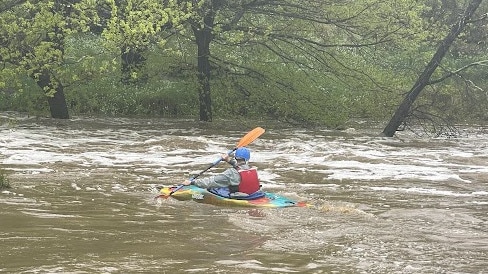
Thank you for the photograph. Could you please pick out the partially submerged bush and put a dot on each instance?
(4, 182)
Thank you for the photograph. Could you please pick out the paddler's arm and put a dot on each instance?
(221, 180)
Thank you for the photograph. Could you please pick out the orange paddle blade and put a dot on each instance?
(250, 137)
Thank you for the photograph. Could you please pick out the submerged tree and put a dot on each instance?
(424, 79)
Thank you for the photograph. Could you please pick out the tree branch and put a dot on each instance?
(456, 72)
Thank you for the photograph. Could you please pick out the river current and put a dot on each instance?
(82, 199)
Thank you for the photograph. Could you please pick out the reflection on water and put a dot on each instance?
(82, 200)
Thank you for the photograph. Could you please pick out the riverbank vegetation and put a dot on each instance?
(303, 62)
(4, 181)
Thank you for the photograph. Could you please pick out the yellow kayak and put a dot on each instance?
(201, 195)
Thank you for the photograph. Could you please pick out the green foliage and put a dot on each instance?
(22, 94)
(98, 89)
(307, 62)
(33, 34)
(302, 67)
(135, 26)
(110, 97)
(93, 87)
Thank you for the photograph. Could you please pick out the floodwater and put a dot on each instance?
(82, 200)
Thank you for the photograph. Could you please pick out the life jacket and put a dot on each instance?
(249, 181)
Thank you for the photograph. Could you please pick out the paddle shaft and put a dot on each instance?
(212, 165)
(203, 171)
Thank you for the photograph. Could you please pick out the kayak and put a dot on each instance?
(201, 195)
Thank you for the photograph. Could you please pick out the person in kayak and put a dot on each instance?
(240, 179)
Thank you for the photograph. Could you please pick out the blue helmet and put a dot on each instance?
(243, 153)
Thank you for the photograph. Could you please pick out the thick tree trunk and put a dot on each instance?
(423, 80)
(203, 38)
(57, 105)
(57, 101)
(204, 95)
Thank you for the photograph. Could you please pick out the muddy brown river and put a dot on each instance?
(82, 199)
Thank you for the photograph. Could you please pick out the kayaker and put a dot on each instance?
(239, 179)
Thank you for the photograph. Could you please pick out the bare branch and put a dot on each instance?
(456, 72)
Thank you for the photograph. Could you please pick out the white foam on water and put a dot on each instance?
(478, 202)
(43, 214)
(356, 170)
(337, 158)
(350, 160)
(254, 265)
(430, 191)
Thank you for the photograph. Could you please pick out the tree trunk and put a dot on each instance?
(52, 87)
(204, 94)
(403, 110)
(57, 101)
(57, 105)
(203, 39)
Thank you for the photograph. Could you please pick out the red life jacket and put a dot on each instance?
(249, 180)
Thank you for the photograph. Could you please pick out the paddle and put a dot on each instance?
(246, 140)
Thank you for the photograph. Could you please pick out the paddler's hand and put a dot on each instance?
(225, 157)
(186, 183)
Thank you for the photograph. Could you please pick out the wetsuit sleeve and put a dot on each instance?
(225, 179)
(232, 162)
